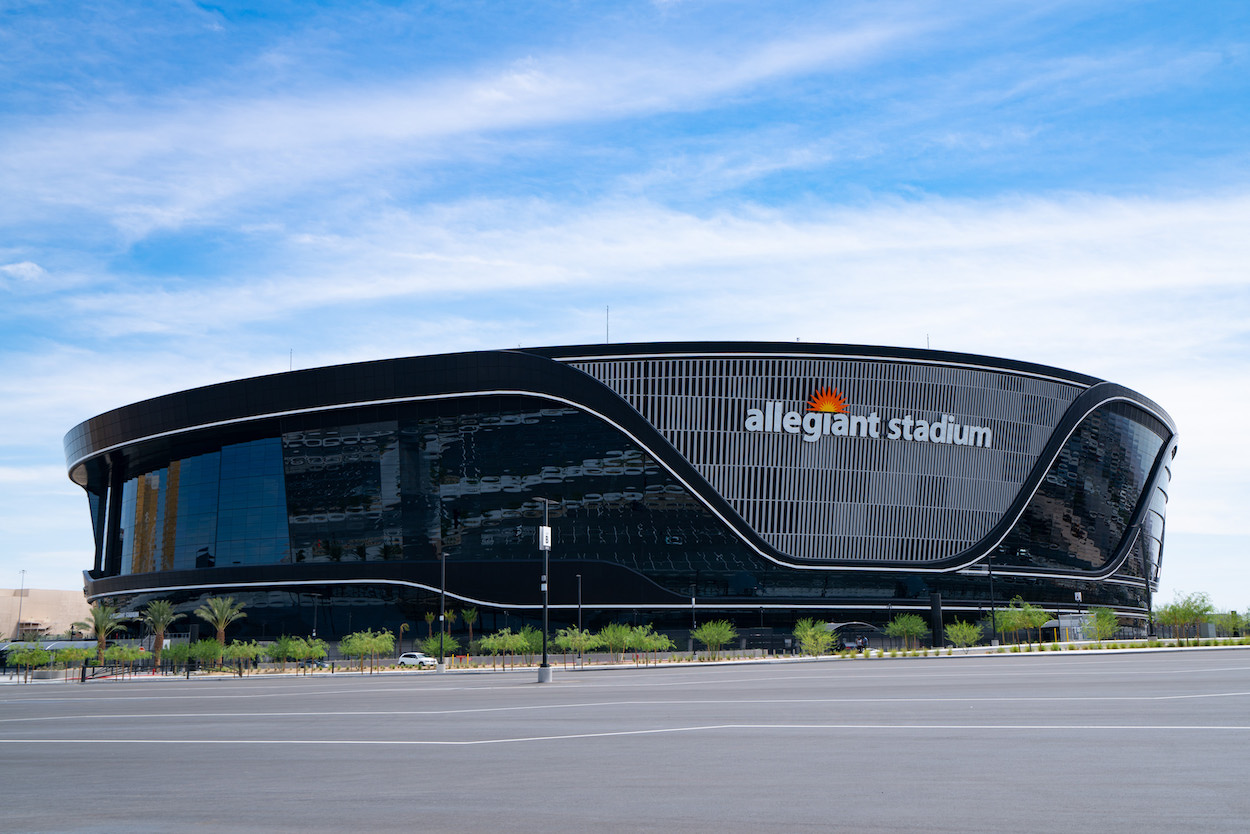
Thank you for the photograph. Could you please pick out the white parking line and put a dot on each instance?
(564, 706)
(657, 731)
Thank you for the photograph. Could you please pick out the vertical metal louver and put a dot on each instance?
(853, 498)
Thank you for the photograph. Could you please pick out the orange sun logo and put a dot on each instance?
(827, 399)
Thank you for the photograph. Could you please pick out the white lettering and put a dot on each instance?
(980, 436)
(773, 417)
(812, 422)
(838, 426)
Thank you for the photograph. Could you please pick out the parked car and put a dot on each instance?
(419, 659)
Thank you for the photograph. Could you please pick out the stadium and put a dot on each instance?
(755, 482)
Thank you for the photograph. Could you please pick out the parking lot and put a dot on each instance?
(1124, 742)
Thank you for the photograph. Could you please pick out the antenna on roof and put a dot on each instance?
(607, 324)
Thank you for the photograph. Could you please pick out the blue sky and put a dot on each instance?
(198, 192)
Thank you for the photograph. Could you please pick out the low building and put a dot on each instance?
(32, 613)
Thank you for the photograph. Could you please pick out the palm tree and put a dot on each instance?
(105, 620)
(449, 618)
(220, 612)
(429, 623)
(469, 616)
(159, 615)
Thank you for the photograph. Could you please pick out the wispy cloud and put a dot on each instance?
(175, 161)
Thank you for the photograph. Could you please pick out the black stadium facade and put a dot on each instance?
(758, 482)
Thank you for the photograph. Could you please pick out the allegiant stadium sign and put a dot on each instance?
(826, 415)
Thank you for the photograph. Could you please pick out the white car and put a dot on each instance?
(419, 659)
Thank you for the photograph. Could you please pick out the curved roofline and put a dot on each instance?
(585, 352)
(395, 379)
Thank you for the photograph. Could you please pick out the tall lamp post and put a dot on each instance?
(544, 544)
(442, 606)
(579, 616)
(21, 594)
(989, 566)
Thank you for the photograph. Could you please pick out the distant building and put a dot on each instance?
(42, 612)
(759, 482)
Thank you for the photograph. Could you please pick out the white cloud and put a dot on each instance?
(24, 271)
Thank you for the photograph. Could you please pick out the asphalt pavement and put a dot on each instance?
(1132, 742)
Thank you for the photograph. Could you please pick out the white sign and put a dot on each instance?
(544, 538)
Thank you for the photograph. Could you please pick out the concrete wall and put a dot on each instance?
(43, 611)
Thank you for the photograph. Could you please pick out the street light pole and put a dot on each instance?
(544, 544)
(989, 566)
(442, 605)
(579, 616)
(21, 594)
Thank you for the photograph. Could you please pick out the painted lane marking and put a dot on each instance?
(656, 731)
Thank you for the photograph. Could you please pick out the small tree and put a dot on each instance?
(125, 656)
(814, 637)
(430, 617)
(311, 648)
(1031, 617)
(503, 642)
(714, 634)
(574, 640)
(220, 612)
(281, 650)
(907, 626)
(72, 656)
(615, 638)
(1197, 609)
(1021, 615)
(242, 652)
(159, 615)
(531, 640)
(207, 652)
(178, 654)
(491, 644)
(1103, 622)
(963, 634)
(369, 644)
(1229, 623)
(29, 656)
(648, 641)
(518, 643)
